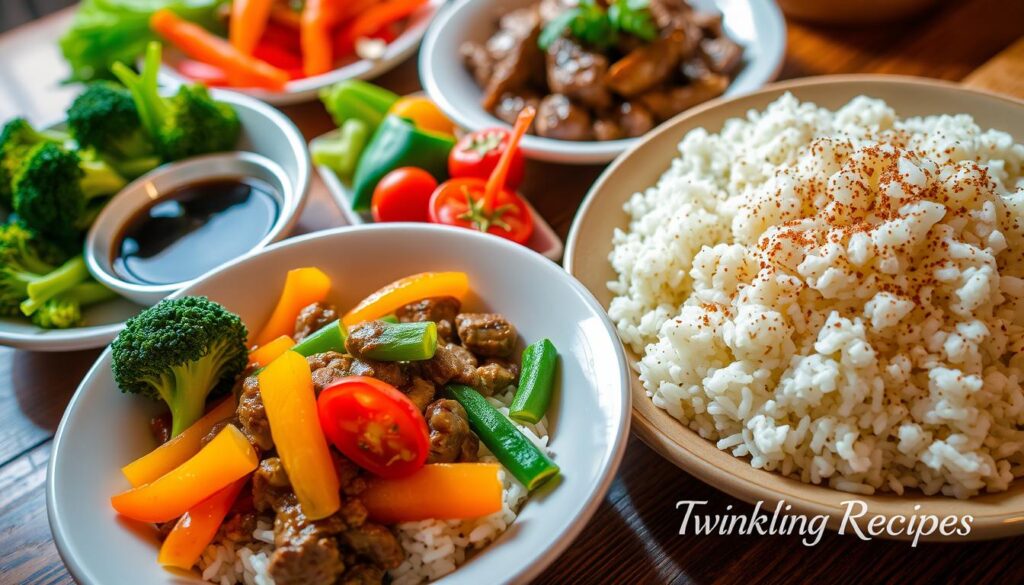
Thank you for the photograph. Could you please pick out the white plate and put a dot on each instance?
(265, 131)
(757, 25)
(304, 90)
(103, 429)
(544, 240)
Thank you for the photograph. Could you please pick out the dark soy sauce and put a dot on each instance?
(194, 229)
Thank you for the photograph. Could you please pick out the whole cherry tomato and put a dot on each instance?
(403, 195)
(477, 153)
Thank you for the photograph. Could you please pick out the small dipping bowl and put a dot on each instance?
(103, 243)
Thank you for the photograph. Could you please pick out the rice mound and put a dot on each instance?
(433, 548)
(837, 296)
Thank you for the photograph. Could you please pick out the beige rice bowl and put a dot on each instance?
(837, 296)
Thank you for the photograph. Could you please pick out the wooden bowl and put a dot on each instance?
(590, 242)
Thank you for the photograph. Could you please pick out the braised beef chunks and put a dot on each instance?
(559, 118)
(512, 103)
(494, 378)
(578, 74)
(363, 574)
(486, 334)
(451, 439)
(305, 551)
(517, 57)
(270, 485)
(313, 318)
(252, 415)
(440, 310)
(722, 55)
(420, 392)
(365, 337)
(390, 372)
(450, 363)
(375, 542)
(328, 367)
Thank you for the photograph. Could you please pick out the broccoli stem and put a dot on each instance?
(136, 167)
(100, 179)
(50, 285)
(144, 88)
(192, 383)
(87, 293)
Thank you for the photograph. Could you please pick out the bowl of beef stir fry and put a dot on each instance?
(601, 73)
(377, 404)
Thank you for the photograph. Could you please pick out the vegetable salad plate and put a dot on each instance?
(570, 349)
(305, 89)
(265, 132)
(602, 216)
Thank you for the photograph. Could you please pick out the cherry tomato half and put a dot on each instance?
(459, 202)
(477, 153)
(374, 425)
(403, 195)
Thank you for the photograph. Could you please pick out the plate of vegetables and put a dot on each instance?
(399, 159)
(55, 181)
(278, 51)
(405, 413)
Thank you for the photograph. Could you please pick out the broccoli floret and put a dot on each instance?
(53, 188)
(188, 123)
(16, 139)
(180, 350)
(27, 278)
(104, 117)
(65, 309)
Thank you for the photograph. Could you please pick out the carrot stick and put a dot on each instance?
(377, 16)
(443, 491)
(317, 52)
(285, 16)
(201, 45)
(248, 21)
(496, 182)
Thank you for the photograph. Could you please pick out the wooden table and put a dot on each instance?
(634, 537)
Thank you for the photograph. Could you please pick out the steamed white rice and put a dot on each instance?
(837, 296)
(433, 548)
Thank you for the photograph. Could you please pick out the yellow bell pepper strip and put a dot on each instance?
(179, 449)
(265, 354)
(424, 113)
(443, 491)
(225, 459)
(406, 290)
(302, 286)
(286, 386)
(196, 528)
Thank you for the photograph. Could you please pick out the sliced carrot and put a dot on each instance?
(179, 449)
(302, 287)
(196, 529)
(406, 290)
(286, 386)
(314, 33)
(248, 21)
(377, 16)
(442, 491)
(265, 354)
(225, 459)
(282, 14)
(202, 45)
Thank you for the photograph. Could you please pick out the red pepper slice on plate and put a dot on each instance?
(488, 206)
(374, 425)
(478, 153)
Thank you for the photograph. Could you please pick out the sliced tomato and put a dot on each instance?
(403, 195)
(374, 425)
(459, 202)
(478, 153)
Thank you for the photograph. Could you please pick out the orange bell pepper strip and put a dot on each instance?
(225, 459)
(315, 35)
(302, 287)
(443, 491)
(406, 290)
(196, 529)
(286, 386)
(198, 43)
(265, 354)
(247, 22)
(179, 449)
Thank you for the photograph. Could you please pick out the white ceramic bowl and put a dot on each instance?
(266, 132)
(104, 239)
(304, 90)
(103, 429)
(757, 25)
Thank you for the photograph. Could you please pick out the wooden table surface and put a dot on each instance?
(634, 537)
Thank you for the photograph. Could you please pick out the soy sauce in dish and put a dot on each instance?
(195, 228)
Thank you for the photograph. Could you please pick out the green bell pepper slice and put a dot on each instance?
(398, 143)
(359, 100)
